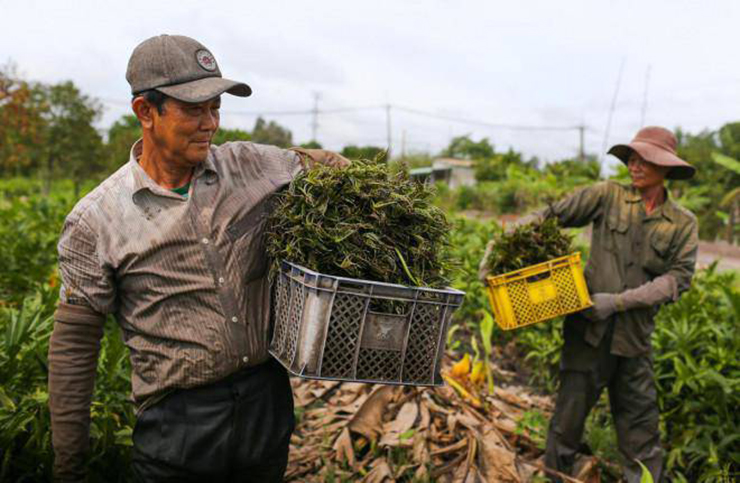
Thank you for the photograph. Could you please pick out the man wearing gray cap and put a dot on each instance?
(171, 245)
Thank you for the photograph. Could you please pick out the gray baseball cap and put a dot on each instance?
(179, 67)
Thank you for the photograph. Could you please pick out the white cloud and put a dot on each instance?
(529, 62)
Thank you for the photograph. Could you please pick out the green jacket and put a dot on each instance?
(628, 249)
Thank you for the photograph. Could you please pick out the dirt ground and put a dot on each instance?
(727, 256)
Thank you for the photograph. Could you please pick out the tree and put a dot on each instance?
(227, 135)
(363, 152)
(704, 193)
(584, 171)
(313, 144)
(495, 167)
(465, 148)
(21, 123)
(271, 133)
(121, 137)
(73, 145)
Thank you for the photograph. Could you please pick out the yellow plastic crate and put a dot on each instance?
(539, 292)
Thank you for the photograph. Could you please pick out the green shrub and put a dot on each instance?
(25, 426)
(696, 344)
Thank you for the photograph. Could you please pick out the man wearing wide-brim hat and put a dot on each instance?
(171, 245)
(643, 253)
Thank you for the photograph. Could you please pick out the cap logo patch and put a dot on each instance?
(205, 60)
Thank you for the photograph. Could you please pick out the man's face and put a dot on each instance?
(645, 174)
(183, 131)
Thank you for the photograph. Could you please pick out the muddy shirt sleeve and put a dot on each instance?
(581, 207)
(261, 163)
(87, 294)
(683, 255)
(86, 280)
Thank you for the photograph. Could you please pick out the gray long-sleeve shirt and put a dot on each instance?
(184, 277)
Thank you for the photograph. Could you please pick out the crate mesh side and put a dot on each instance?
(519, 296)
(343, 336)
(281, 315)
(527, 312)
(569, 299)
(378, 365)
(297, 300)
(421, 351)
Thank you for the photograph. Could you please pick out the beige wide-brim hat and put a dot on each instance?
(656, 145)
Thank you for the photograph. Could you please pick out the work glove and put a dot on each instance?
(312, 157)
(651, 294)
(605, 305)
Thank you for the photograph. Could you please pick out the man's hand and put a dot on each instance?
(312, 157)
(605, 305)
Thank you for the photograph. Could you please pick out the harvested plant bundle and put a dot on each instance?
(529, 244)
(364, 222)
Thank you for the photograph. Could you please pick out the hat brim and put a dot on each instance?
(202, 90)
(679, 169)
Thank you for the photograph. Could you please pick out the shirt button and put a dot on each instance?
(221, 280)
(234, 320)
(245, 359)
(205, 241)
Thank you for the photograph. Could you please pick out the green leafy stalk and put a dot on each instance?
(364, 221)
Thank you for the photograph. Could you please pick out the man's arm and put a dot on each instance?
(662, 289)
(578, 209)
(86, 295)
(312, 157)
(73, 356)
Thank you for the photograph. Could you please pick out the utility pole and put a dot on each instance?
(315, 122)
(645, 97)
(388, 127)
(403, 144)
(581, 149)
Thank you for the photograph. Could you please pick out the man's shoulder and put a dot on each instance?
(250, 161)
(104, 200)
(681, 214)
(248, 150)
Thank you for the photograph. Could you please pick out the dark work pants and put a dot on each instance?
(584, 372)
(237, 429)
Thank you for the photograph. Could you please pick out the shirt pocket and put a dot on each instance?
(247, 236)
(617, 224)
(657, 258)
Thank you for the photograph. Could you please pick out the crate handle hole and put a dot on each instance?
(539, 276)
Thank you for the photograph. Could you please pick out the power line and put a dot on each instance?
(514, 127)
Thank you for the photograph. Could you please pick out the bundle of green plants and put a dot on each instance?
(528, 244)
(364, 221)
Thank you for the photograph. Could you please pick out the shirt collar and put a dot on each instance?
(666, 210)
(142, 181)
(633, 195)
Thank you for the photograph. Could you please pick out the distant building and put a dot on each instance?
(451, 171)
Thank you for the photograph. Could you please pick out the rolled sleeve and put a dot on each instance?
(683, 257)
(85, 279)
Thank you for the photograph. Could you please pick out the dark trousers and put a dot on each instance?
(584, 372)
(237, 429)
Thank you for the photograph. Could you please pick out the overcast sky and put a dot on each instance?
(537, 63)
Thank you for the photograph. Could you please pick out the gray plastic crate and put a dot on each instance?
(329, 327)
